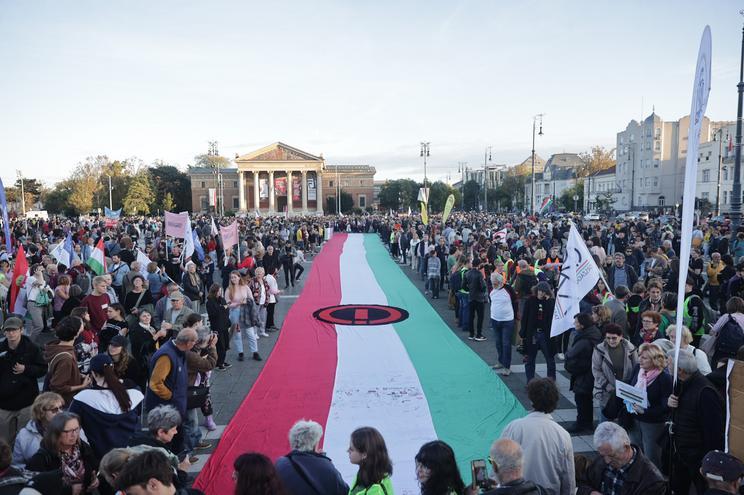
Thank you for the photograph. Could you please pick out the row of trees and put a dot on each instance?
(136, 187)
(399, 195)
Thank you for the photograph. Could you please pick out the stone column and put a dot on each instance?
(290, 191)
(304, 192)
(319, 191)
(256, 196)
(241, 190)
(271, 191)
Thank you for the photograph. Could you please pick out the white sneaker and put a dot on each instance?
(561, 356)
(497, 366)
(504, 371)
(264, 334)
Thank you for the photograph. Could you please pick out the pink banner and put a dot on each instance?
(280, 186)
(295, 188)
(175, 224)
(229, 235)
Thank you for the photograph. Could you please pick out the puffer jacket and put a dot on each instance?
(27, 442)
(579, 359)
(19, 390)
(604, 373)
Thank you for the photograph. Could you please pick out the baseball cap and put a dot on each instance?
(13, 323)
(176, 295)
(118, 341)
(721, 466)
(99, 361)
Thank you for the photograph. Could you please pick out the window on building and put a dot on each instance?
(657, 146)
(203, 204)
(662, 200)
(546, 188)
(235, 184)
(657, 132)
(362, 201)
(203, 184)
(656, 181)
(725, 197)
(656, 163)
(331, 183)
(725, 173)
(705, 195)
(236, 202)
(706, 175)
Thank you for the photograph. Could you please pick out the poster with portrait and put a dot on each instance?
(280, 186)
(296, 188)
(263, 188)
(312, 192)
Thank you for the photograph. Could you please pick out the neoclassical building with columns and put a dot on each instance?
(274, 179)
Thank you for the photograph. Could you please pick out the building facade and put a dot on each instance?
(715, 178)
(651, 162)
(558, 175)
(495, 175)
(601, 191)
(279, 178)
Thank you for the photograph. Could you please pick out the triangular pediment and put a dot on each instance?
(278, 152)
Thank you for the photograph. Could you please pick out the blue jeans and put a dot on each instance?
(434, 286)
(541, 343)
(503, 331)
(464, 309)
(192, 435)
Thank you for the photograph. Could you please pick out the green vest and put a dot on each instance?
(385, 487)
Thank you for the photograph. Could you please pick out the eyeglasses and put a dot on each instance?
(73, 430)
(55, 409)
(647, 321)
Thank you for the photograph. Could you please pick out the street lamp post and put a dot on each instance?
(486, 159)
(719, 137)
(736, 192)
(23, 193)
(111, 203)
(425, 155)
(537, 117)
(631, 150)
(461, 166)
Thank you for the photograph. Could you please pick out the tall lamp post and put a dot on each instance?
(719, 137)
(736, 192)
(111, 203)
(537, 117)
(23, 193)
(631, 151)
(486, 159)
(425, 155)
(461, 167)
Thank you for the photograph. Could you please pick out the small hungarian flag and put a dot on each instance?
(547, 203)
(97, 260)
(20, 274)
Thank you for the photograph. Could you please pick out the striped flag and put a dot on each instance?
(546, 205)
(349, 357)
(97, 259)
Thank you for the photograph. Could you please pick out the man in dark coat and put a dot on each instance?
(621, 273)
(477, 290)
(506, 458)
(579, 364)
(21, 366)
(620, 467)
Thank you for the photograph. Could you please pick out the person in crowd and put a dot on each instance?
(12, 479)
(145, 339)
(46, 406)
(97, 302)
(108, 411)
(138, 298)
(240, 302)
(621, 273)
(478, 293)
(155, 281)
(601, 316)
(168, 382)
(63, 375)
(613, 359)
(436, 470)
(162, 424)
(192, 286)
(579, 365)
(21, 366)
(650, 374)
(116, 324)
(200, 361)
(700, 356)
(507, 461)
(649, 332)
(61, 294)
(74, 300)
(219, 321)
(260, 290)
(617, 307)
(367, 450)
(503, 309)
(255, 475)
(723, 472)
(62, 449)
(727, 335)
(534, 329)
(620, 468)
(698, 423)
(287, 262)
(546, 444)
(713, 270)
(305, 469)
(150, 473)
(274, 291)
(126, 368)
(174, 316)
(652, 302)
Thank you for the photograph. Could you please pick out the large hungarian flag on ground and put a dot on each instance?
(363, 347)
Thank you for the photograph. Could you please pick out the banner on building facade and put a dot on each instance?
(263, 188)
(312, 191)
(296, 188)
(280, 186)
(212, 196)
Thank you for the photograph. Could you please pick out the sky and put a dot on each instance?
(362, 82)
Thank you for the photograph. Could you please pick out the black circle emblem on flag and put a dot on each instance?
(361, 314)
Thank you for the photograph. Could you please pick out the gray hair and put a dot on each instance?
(186, 335)
(507, 455)
(611, 434)
(163, 418)
(686, 363)
(305, 435)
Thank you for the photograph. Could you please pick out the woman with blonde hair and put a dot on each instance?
(46, 406)
(700, 357)
(651, 375)
(240, 301)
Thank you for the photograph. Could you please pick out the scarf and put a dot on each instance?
(73, 469)
(646, 378)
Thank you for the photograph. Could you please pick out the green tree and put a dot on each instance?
(604, 201)
(596, 160)
(566, 199)
(58, 199)
(211, 161)
(330, 205)
(86, 184)
(168, 179)
(438, 193)
(140, 194)
(347, 202)
(168, 203)
(399, 194)
(471, 193)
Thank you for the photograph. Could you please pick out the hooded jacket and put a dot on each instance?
(579, 359)
(604, 373)
(19, 390)
(63, 371)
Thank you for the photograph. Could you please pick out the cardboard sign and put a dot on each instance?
(632, 394)
(735, 409)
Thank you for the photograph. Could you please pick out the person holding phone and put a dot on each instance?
(506, 459)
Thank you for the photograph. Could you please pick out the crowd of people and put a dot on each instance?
(90, 356)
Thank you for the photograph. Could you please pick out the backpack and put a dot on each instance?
(730, 339)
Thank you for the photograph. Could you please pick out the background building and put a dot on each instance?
(601, 191)
(712, 171)
(356, 180)
(558, 174)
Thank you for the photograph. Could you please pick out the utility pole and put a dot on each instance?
(486, 159)
(719, 137)
(111, 204)
(23, 193)
(425, 155)
(461, 167)
(219, 206)
(631, 150)
(534, 124)
(736, 192)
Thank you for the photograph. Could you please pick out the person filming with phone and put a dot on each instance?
(506, 459)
